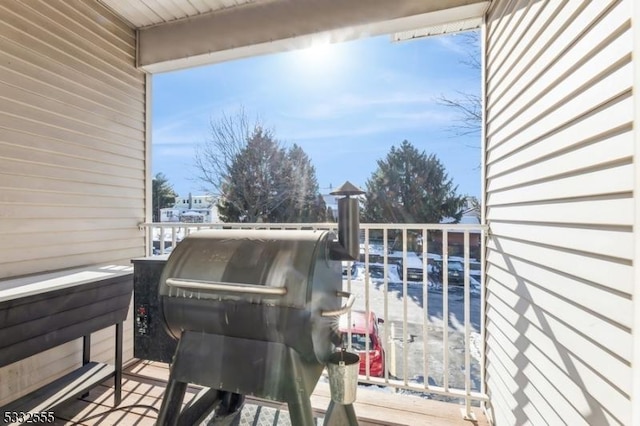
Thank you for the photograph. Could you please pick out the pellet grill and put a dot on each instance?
(255, 312)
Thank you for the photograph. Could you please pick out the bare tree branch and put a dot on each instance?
(468, 106)
(214, 157)
(471, 42)
(469, 109)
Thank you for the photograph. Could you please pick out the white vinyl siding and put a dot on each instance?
(559, 170)
(72, 137)
(72, 157)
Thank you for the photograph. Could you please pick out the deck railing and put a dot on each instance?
(422, 281)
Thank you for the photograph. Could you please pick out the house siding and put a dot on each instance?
(559, 181)
(635, 392)
(72, 156)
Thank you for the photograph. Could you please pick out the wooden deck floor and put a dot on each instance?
(144, 383)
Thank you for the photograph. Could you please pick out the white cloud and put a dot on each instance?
(173, 151)
(419, 117)
(352, 114)
(168, 128)
(357, 104)
(378, 123)
(331, 132)
(456, 43)
(192, 125)
(177, 135)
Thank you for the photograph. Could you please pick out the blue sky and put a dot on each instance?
(344, 104)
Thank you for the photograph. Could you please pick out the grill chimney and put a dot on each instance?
(348, 245)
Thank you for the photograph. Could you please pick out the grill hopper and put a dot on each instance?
(255, 313)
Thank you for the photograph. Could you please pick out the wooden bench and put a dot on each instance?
(40, 312)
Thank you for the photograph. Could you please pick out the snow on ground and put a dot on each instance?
(415, 304)
(394, 277)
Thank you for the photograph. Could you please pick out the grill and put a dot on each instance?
(256, 313)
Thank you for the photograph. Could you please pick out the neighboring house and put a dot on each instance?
(191, 209)
(560, 166)
(169, 214)
(455, 238)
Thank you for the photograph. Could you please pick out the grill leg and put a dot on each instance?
(229, 409)
(86, 355)
(117, 397)
(340, 415)
(199, 407)
(300, 411)
(171, 402)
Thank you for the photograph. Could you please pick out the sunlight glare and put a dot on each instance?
(317, 52)
(320, 57)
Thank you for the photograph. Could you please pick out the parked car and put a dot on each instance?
(414, 267)
(361, 336)
(376, 270)
(455, 271)
(474, 269)
(167, 250)
(349, 266)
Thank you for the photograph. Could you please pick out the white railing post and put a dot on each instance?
(367, 309)
(393, 351)
(468, 414)
(405, 293)
(150, 241)
(483, 301)
(425, 307)
(445, 310)
(388, 338)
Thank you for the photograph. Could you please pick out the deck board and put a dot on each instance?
(144, 383)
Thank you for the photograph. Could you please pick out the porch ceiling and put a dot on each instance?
(176, 34)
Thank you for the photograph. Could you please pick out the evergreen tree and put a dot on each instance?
(304, 203)
(411, 187)
(266, 183)
(162, 195)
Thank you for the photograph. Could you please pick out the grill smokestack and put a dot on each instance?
(348, 245)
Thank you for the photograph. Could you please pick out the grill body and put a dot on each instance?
(258, 285)
(255, 312)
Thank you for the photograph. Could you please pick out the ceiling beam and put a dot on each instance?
(280, 25)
